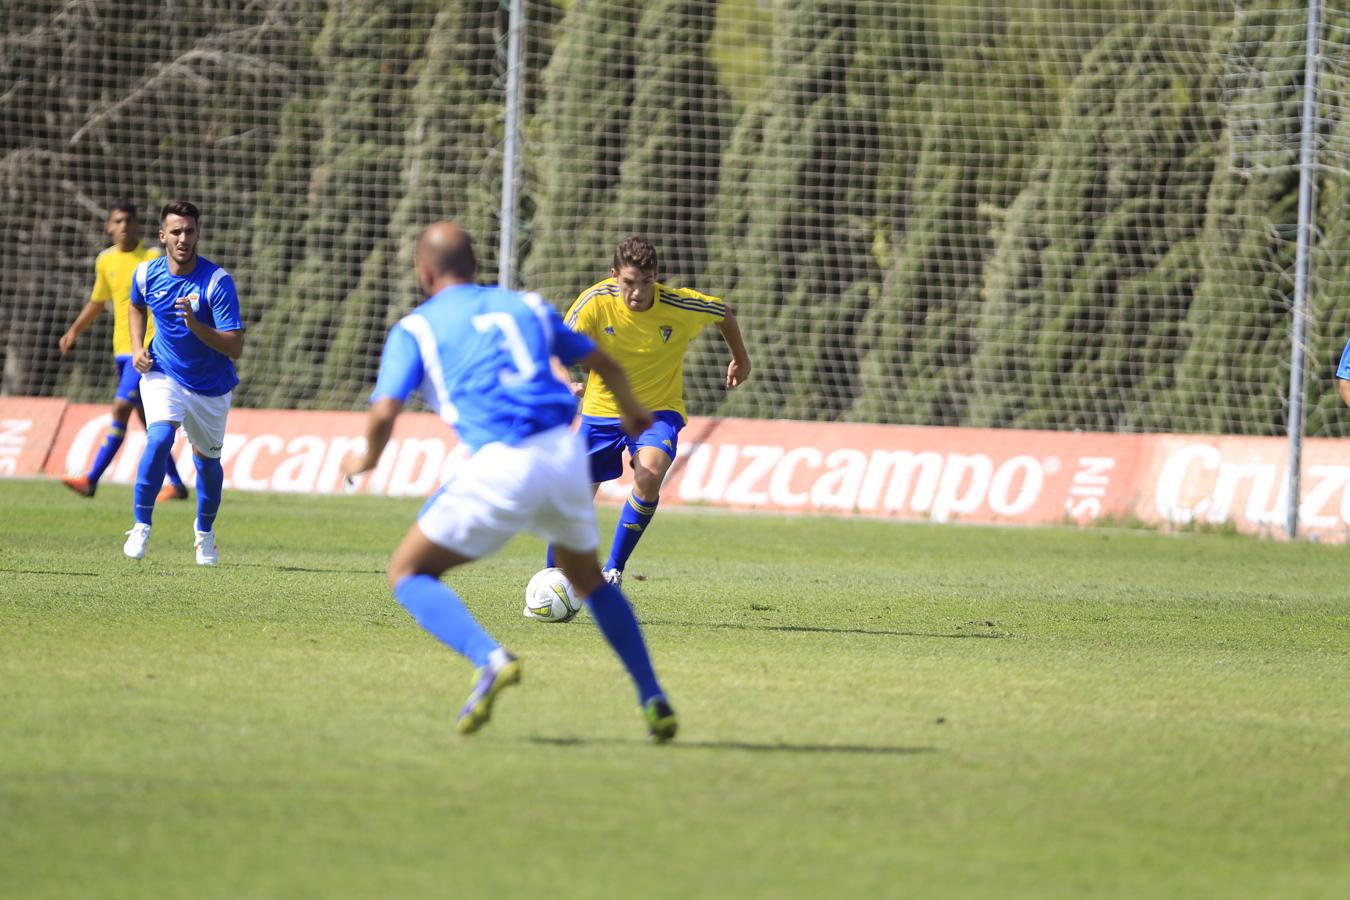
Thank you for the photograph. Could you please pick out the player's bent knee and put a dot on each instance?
(648, 487)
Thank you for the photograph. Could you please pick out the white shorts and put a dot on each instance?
(542, 486)
(203, 418)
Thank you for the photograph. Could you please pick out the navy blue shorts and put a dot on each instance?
(128, 381)
(605, 442)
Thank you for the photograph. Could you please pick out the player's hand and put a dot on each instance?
(737, 373)
(183, 308)
(353, 466)
(633, 424)
(67, 341)
(142, 360)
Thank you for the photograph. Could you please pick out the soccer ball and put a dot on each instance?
(549, 597)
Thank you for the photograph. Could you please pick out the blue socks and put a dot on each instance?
(633, 520)
(616, 621)
(210, 481)
(111, 444)
(117, 433)
(632, 523)
(439, 610)
(150, 476)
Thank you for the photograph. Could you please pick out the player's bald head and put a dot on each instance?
(445, 251)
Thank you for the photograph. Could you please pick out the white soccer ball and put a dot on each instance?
(550, 598)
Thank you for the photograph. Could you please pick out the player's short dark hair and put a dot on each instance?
(637, 252)
(180, 208)
(125, 206)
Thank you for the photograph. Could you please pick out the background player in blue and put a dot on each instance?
(1343, 374)
(113, 272)
(187, 373)
(481, 357)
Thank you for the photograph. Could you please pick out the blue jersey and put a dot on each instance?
(1343, 370)
(178, 352)
(481, 358)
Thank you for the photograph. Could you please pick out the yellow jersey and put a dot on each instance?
(650, 345)
(113, 271)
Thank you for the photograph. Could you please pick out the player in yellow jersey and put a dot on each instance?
(113, 271)
(647, 327)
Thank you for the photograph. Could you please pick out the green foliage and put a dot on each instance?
(343, 243)
(1097, 261)
(674, 140)
(806, 218)
(1069, 216)
(580, 133)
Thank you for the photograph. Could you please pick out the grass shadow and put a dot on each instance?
(50, 572)
(746, 746)
(877, 632)
(319, 571)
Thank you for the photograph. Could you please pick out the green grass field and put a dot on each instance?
(868, 709)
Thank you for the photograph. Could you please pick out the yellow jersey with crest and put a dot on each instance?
(113, 271)
(650, 345)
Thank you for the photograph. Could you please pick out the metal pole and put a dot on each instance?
(506, 251)
(1307, 169)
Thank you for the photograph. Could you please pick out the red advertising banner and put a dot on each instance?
(1216, 480)
(288, 451)
(27, 428)
(940, 474)
(912, 473)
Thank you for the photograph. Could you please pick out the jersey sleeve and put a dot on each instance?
(400, 367)
(1343, 370)
(708, 308)
(102, 291)
(138, 285)
(568, 345)
(224, 302)
(581, 316)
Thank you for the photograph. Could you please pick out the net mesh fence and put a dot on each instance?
(1067, 215)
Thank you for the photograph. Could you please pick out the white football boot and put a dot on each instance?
(137, 538)
(206, 548)
(613, 577)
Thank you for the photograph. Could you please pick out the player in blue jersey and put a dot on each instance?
(187, 372)
(1343, 374)
(481, 357)
(113, 271)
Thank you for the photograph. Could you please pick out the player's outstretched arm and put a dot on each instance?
(564, 374)
(739, 368)
(1344, 386)
(634, 418)
(379, 426)
(86, 318)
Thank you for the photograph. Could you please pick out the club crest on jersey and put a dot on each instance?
(195, 301)
(666, 332)
(609, 330)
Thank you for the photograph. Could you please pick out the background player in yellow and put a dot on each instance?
(113, 271)
(647, 327)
